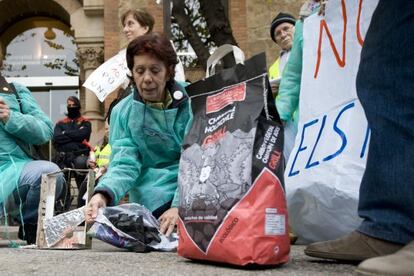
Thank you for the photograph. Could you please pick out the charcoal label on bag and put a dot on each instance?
(216, 122)
(268, 153)
(230, 95)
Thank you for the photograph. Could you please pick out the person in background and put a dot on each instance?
(22, 124)
(385, 87)
(282, 29)
(287, 100)
(98, 160)
(146, 132)
(70, 139)
(137, 22)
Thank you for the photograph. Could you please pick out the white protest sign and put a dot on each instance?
(109, 76)
(325, 168)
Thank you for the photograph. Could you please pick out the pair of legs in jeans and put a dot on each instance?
(28, 194)
(29, 187)
(385, 87)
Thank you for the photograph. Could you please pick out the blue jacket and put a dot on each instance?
(146, 148)
(32, 126)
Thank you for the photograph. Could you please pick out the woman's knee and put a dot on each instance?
(60, 177)
(40, 167)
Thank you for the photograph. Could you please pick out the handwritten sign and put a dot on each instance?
(325, 168)
(109, 76)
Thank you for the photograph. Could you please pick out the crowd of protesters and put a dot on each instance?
(145, 149)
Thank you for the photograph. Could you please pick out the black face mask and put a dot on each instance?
(73, 112)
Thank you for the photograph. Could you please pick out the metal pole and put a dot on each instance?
(167, 17)
(50, 116)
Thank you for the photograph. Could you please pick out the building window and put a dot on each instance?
(39, 46)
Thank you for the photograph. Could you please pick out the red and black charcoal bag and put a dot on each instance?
(232, 200)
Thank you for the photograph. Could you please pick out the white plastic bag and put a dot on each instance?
(325, 168)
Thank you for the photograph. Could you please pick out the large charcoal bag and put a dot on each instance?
(232, 200)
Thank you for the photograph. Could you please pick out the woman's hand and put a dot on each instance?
(91, 164)
(103, 169)
(91, 211)
(168, 221)
(4, 111)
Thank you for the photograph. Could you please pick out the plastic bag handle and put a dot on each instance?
(219, 53)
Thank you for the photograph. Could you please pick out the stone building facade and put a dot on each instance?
(97, 32)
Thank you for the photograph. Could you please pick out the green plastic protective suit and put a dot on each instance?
(31, 126)
(146, 148)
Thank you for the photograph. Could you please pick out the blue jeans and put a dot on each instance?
(385, 87)
(29, 190)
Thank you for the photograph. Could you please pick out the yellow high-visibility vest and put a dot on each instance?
(274, 72)
(102, 156)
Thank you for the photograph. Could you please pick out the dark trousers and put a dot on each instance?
(385, 87)
(70, 160)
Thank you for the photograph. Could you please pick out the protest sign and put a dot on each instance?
(109, 76)
(325, 168)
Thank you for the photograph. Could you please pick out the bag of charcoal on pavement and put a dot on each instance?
(232, 200)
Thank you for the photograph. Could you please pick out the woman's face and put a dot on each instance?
(132, 28)
(150, 76)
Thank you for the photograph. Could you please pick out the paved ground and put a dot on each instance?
(104, 259)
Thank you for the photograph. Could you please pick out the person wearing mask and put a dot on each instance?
(385, 87)
(146, 132)
(22, 125)
(70, 139)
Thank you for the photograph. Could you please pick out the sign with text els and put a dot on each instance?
(325, 168)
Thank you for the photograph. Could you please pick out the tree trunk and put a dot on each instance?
(218, 25)
(178, 11)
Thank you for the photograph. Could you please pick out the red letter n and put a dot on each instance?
(324, 26)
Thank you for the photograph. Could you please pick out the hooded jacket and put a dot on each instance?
(31, 126)
(146, 148)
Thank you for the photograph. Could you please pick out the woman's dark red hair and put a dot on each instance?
(154, 44)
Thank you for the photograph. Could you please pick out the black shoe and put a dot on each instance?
(29, 233)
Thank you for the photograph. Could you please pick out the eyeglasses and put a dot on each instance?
(285, 30)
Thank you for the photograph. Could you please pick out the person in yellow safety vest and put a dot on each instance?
(282, 29)
(102, 155)
(98, 161)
